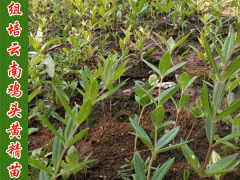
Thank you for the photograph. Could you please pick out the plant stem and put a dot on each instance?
(159, 92)
(215, 115)
(155, 140)
(191, 128)
(64, 150)
(135, 144)
(176, 124)
(150, 165)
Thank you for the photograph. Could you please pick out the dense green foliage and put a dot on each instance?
(61, 41)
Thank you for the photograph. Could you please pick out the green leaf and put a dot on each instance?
(184, 79)
(139, 87)
(160, 128)
(171, 147)
(72, 157)
(236, 121)
(231, 109)
(121, 43)
(208, 127)
(171, 44)
(49, 43)
(145, 101)
(165, 95)
(205, 100)
(163, 40)
(144, 54)
(84, 112)
(167, 138)
(56, 115)
(139, 167)
(238, 39)
(157, 116)
(234, 66)
(190, 82)
(71, 125)
(191, 158)
(43, 175)
(186, 174)
(180, 41)
(229, 44)
(34, 44)
(111, 91)
(64, 102)
(220, 53)
(210, 56)
(75, 167)
(220, 165)
(174, 68)
(139, 45)
(50, 126)
(33, 94)
(50, 65)
(78, 137)
(214, 157)
(234, 84)
(39, 165)
(162, 171)
(140, 6)
(228, 137)
(164, 64)
(57, 149)
(36, 61)
(142, 134)
(215, 93)
(153, 67)
(183, 101)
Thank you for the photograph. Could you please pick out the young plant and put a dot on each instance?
(164, 69)
(63, 141)
(214, 111)
(171, 44)
(110, 71)
(185, 82)
(142, 35)
(156, 148)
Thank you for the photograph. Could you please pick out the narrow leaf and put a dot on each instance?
(50, 126)
(162, 171)
(64, 102)
(139, 167)
(39, 165)
(78, 137)
(231, 109)
(205, 100)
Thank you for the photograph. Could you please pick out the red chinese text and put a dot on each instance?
(14, 9)
(14, 90)
(15, 130)
(14, 49)
(14, 70)
(14, 171)
(14, 110)
(14, 148)
(14, 29)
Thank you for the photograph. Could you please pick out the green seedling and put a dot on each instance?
(170, 43)
(185, 82)
(63, 141)
(123, 43)
(110, 71)
(142, 35)
(156, 148)
(213, 111)
(164, 69)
